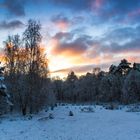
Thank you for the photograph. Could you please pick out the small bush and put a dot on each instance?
(133, 109)
(51, 116)
(87, 109)
(71, 113)
(55, 105)
(111, 106)
(30, 117)
(46, 110)
(52, 107)
(62, 104)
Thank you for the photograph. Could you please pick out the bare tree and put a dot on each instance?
(37, 64)
(27, 69)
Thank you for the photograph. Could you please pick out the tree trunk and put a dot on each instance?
(24, 111)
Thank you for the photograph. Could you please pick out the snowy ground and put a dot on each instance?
(99, 125)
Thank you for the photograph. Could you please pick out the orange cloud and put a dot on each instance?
(83, 54)
(82, 64)
(62, 25)
(61, 22)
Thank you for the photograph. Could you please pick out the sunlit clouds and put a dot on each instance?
(78, 35)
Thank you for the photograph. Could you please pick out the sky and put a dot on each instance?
(78, 35)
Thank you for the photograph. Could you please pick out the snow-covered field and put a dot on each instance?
(99, 125)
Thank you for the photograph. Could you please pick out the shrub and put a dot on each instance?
(71, 113)
(51, 116)
(87, 109)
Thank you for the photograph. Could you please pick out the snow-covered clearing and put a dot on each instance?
(99, 125)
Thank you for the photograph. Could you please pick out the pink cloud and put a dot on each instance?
(96, 5)
(134, 13)
(62, 25)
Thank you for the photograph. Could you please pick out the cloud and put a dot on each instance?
(104, 10)
(121, 34)
(115, 42)
(63, 36)
(118, 10)
(68, 43)
(82, 69)
(108, 52)
(61, 21)
(83, 52)
(64, 22)
(11, 25)
(77, 5)
(118, 40)
(105, 5)
(121, 40)
(15, 7)
(59, 18)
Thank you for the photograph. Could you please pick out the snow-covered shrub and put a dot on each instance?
(51, 116)
(47, 109)
(111, 106)
(87, 109)
(52, 107)
(55, 105)
(30, 117)
(62, 104)
(134, 108)
(4, 96)
(71, 113)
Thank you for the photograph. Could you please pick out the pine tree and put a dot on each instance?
(131, 87)
(3, 88)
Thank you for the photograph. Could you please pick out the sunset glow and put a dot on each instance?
(78, 35)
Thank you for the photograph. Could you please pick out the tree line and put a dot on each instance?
(120, 84)
(31, 88)
(26, 70)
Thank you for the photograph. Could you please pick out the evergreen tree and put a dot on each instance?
(3, 88)
(131, 87)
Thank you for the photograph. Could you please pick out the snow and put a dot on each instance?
(1, 78)
(101, 124)
(3, 86)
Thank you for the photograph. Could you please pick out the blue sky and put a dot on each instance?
(80, 34)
